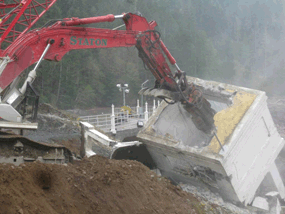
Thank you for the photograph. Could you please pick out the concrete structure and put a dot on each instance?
(185, 154)
(95, 142)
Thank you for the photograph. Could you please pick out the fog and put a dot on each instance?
(249, 39)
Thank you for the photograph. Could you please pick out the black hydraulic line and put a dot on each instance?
(171, 103)
(218, 141)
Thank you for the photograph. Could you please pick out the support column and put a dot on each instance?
(146, 113)
(113, 127)
(158, 103)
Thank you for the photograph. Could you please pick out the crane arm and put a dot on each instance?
(16, 19)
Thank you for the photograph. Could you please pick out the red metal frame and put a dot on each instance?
(27, 49)
(18, 18)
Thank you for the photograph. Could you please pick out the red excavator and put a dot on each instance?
(21, 47)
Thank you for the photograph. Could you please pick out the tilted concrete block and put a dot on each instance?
(249, 138)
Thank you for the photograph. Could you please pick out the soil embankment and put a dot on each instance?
(95, 185)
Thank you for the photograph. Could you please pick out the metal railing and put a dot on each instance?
(102, 121)
(123, 120)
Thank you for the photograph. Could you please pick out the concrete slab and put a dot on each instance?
(260, 203)
(277, 180)
(95, 142)
(180, 121)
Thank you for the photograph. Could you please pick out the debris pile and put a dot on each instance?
(54, 124)
(213, 198)
(94, 185)
(50, 119)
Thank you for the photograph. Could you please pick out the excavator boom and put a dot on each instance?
(55, 39)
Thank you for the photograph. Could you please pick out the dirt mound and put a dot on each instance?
(54, 124)
(72, 143)
(45, 108)
(95, 185)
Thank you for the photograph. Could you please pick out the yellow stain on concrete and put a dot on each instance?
(227, 119)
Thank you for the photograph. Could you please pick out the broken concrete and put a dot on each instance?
(94, 141)
(250, 145)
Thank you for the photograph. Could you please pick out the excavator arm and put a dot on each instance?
(28, 49)
(54, 40)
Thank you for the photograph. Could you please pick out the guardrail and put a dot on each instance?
(122, 120)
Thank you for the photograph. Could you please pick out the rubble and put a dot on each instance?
(54, 124)
(214, 198)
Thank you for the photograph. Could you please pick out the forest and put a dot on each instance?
(236, 42)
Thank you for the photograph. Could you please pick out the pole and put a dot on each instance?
(142, 86)
(141, 100)
(124, 101)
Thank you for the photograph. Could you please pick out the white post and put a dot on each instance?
(146, 113)
(138, 107)
(153, 108)
(158, 103)
(113, 128)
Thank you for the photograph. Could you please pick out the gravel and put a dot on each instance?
(213, 198)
